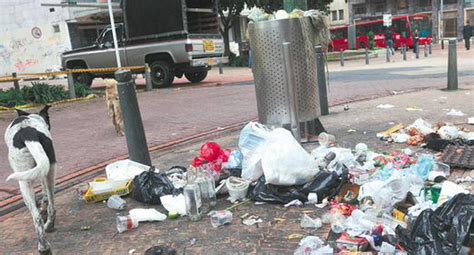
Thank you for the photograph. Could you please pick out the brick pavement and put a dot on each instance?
(17, 237)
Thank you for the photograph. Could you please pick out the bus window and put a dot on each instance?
(400, 27)
(361, 30)
(339, 34)
(376, 28)
(423, 24)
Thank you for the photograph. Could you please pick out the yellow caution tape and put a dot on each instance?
(32, 105)
(72, 71)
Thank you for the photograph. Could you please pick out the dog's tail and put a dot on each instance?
(42, 164)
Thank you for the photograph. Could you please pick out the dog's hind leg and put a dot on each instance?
(29, 199)
(50, 186)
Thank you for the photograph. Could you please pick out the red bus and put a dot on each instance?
(402, 27)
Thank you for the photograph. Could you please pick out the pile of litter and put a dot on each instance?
(435, 137)
(387, 202)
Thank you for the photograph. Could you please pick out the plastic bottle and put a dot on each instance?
(125, 223)
(210, 177)
(192, 196)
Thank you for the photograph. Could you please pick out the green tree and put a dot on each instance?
(274, 5)
(228, 11)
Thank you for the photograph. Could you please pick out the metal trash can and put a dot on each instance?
(266, 39)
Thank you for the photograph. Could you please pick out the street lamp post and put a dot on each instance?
(114, 33)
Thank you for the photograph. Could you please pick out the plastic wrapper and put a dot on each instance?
(252, 140)
(212, 154)
(312, 245)
(308, 222)
(443, 231)
(149, 186)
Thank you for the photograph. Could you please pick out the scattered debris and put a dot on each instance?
(454, 112)
(308, 222)
(385, 106)
(219, 218)
(252, 220)
(414, 108)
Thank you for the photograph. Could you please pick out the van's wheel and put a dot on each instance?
(82, 78)
(196, 76)
(162, 75)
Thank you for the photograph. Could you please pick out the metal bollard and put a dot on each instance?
(442, 44)
(404, 52)
(16, 84)
(323, 93)
(221, 69)
(417, 50)
(148, 83)
(430, 48)
(387, 54)
(425, 51)
(291, 92)
(341, 55)
(452, 66)
(367, 59)
(70, 85)
(134, 131)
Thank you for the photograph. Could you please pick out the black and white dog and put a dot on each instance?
(31, 156)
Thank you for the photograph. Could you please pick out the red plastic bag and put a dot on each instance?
(213, 154)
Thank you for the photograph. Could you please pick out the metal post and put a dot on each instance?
(291, 92)
(221, 70)
(404, 51)
(341, 55)
(425, 51)
(442, 44)
(323, 93)
(387, 54)
(16, 84)
(148, 83)
(134, 131)
(452, 66)
(367, 56)
(70, 85)
(430, 48)
(417, 50)
(114, 34)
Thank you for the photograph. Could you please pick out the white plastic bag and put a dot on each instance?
(252, 141)
(285, 162)
(150, 214)
(174, 203)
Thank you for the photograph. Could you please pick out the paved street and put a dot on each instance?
(269, 237)
(84, 135)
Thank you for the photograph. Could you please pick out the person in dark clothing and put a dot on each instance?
(467, 33)
(415, 40)
(389, 40)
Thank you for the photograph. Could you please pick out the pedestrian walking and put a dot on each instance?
(467, 33)
(389, 40)
(415, 40)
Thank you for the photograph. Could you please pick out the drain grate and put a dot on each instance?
(461, 156)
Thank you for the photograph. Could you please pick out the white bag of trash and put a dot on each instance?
(125, 170)
(285, 162)
(252, 141)
(174, 203)
(312, 245)
(151, 214)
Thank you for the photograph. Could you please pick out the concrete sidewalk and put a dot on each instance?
(270, 237)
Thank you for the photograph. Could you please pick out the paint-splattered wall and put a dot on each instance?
(32, 37)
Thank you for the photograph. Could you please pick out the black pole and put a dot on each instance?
(321, 74)
(16, 84)
(134, 131)
(452, 66)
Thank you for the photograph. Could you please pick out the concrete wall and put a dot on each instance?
(337, 5)
(28, 40)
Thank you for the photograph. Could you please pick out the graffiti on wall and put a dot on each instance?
(21, 52)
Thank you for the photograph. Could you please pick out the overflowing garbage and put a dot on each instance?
(390, 202)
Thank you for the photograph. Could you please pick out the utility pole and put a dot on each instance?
(114, 34)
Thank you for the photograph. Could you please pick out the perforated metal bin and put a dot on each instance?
(266, 39)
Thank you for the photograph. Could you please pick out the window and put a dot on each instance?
(339, 34)
(334, 15)
(56, 29)
(341, 14)
(402, 4)
(361, 30)
(359, 8)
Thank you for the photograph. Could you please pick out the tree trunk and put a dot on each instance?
(460, 21)
(225, 35)
(434, 20)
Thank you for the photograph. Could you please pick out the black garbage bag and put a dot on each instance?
(274, 194)
(443, 231)
(326, 184)
(149, 186)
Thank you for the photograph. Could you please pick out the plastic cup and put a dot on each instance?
(237, 187)
(326, 139)
(125, 223)
(116, 202)
(435, 191)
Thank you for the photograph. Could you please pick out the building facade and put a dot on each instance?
(32, 36)
(447, 24)
(339, 12)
